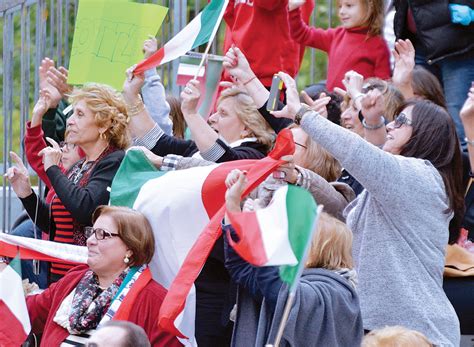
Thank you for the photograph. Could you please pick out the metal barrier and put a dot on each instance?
(34, 29)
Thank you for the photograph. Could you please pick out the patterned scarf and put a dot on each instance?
(79, 174)
(90, 302)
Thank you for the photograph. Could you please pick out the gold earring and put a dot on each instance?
(102, 136)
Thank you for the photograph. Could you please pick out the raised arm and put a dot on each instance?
(404, 54)
(153, 92)
(308, 36)
(379, 172)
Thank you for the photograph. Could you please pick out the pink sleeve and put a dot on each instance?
(306, 35)
(34, 142)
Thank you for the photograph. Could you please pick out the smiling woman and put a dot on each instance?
(120, 246)
(403, 219)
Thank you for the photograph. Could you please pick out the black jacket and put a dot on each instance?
(435, 32)
(79, 201)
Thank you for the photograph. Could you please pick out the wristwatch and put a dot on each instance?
(299, 115)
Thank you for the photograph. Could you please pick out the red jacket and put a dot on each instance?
(347, 49)
(42, 309)
(34, 142)
(260, 29)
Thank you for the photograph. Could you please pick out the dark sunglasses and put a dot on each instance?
(400, 120)
(100, 234)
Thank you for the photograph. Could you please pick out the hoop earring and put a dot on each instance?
(126, 260)
(102, 136)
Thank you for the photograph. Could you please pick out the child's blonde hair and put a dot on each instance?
(395, 336)
(331, 247)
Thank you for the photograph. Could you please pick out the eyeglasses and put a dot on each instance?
(299, 144)
(66, 146)
(100, 234)
(400, 120)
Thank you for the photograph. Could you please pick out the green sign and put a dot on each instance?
(108, 39)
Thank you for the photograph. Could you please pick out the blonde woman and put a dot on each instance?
(99, 126)
(326, 309)
(234, 132)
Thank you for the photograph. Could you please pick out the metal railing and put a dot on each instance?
(34, 29)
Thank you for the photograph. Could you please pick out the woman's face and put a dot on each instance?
(350, 120)
(106, 256)
(300, 138)
(81, 126)
(70, 154)
(399, 134)
(226, 122)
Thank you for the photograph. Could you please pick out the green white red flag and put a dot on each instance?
(15, 322)
(199, 31)
(185, 208)
(277, 234)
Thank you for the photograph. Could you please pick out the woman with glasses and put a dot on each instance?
(99, 126)
(116, 283)
(401, 221)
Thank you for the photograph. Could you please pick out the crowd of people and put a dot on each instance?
(387, 150)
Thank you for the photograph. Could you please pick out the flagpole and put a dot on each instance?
(294, 285)
(211, 39)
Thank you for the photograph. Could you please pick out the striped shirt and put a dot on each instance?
(64, 234)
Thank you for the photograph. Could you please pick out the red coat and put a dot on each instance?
(347, 49)
(260, 29)
(42, 309)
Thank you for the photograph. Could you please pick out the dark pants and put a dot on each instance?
(460, 291)
(27, 229)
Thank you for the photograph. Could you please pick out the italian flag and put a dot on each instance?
(278, 234)
(200, 30)
(15, 322)
(185, 209)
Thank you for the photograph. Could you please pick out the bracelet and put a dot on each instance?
(374, 127)
(469, 142)
(250, 80)
(138, 107)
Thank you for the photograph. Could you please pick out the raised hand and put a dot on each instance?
(150, 46)
(292, 99)
(18, 177)
(373, 107)
(353, 82)
(318, 105)
(48, 98)
(404, 54)
(235, 182)
(287, 171)
(238, 66)
(57, 78)
(132, 85)
(190, 98)
(51, 155)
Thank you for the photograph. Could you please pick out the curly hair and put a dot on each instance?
(109, 111)
(248, 114)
